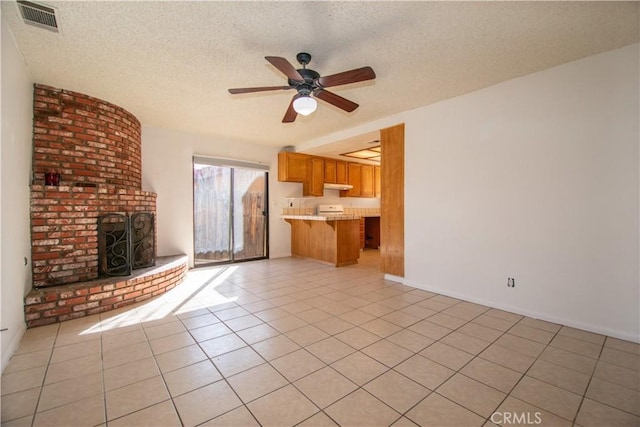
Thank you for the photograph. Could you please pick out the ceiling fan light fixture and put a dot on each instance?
(308, 82)
(305, 105)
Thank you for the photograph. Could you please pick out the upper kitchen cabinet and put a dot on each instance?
(367, 186)
(341, 172)
(335, 171)
(293, 167)
(299, 167)
(354, 175)
(313, 172)
(363, 178)
(330, 172)
(314, 186)
(377, 180)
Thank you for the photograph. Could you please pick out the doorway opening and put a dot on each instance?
(230, 217)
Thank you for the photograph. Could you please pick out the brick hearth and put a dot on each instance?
(59, 303)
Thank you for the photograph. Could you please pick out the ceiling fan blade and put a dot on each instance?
(352, 76)
(336, 100)
(290, 115)
(285, 67)
(257, 89)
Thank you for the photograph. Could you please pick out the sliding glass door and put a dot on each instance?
(230, 211)
(249, 214)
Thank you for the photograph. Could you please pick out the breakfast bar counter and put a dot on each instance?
(330, 239)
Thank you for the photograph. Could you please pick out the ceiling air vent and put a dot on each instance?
(38, 15)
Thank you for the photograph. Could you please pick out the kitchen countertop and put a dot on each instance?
(321, 217)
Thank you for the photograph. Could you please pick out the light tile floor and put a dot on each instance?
(290, 342)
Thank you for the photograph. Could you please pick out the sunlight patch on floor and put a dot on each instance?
(199, 282)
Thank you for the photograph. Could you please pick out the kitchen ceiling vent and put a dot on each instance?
(38, 15)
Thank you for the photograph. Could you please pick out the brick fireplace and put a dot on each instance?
(93, 150)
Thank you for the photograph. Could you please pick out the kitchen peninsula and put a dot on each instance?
(329, 237)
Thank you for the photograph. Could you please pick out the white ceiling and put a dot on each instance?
(171, 62)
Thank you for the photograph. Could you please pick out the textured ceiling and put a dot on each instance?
(171, 63)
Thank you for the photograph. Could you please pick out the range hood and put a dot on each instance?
(338, 186)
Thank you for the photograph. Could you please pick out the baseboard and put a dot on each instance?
(524, 312)
(398, 279)
(279, 255)
(13, 345)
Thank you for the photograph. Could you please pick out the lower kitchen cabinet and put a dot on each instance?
(333, 242)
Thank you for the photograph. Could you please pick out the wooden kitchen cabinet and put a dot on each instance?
(330, 172)
(313, 172)
(332, 242)
(314, 186)
(363, 178)
(335, 172)
(341, 172)
(293, 167)
(367, 186)
(298, 167)
(354, 175)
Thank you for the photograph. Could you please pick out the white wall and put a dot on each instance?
(167, 170)
(15, 166)
(536, 179)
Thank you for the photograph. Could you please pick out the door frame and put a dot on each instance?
(233, 164)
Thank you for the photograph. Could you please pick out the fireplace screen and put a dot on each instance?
(125, 243)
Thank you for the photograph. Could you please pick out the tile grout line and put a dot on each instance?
(104, 386)
(524, 374)
(356, 350)
(44, 378)
(223, 377)
(478, 355)
(304, 348)
(586, 390)
(455, 371)
(305, 289)
(164, 382)
(456, 330)
(361, 387)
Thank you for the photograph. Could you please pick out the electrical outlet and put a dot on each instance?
(511, 282)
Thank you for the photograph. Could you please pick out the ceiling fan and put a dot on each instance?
(308, 82)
